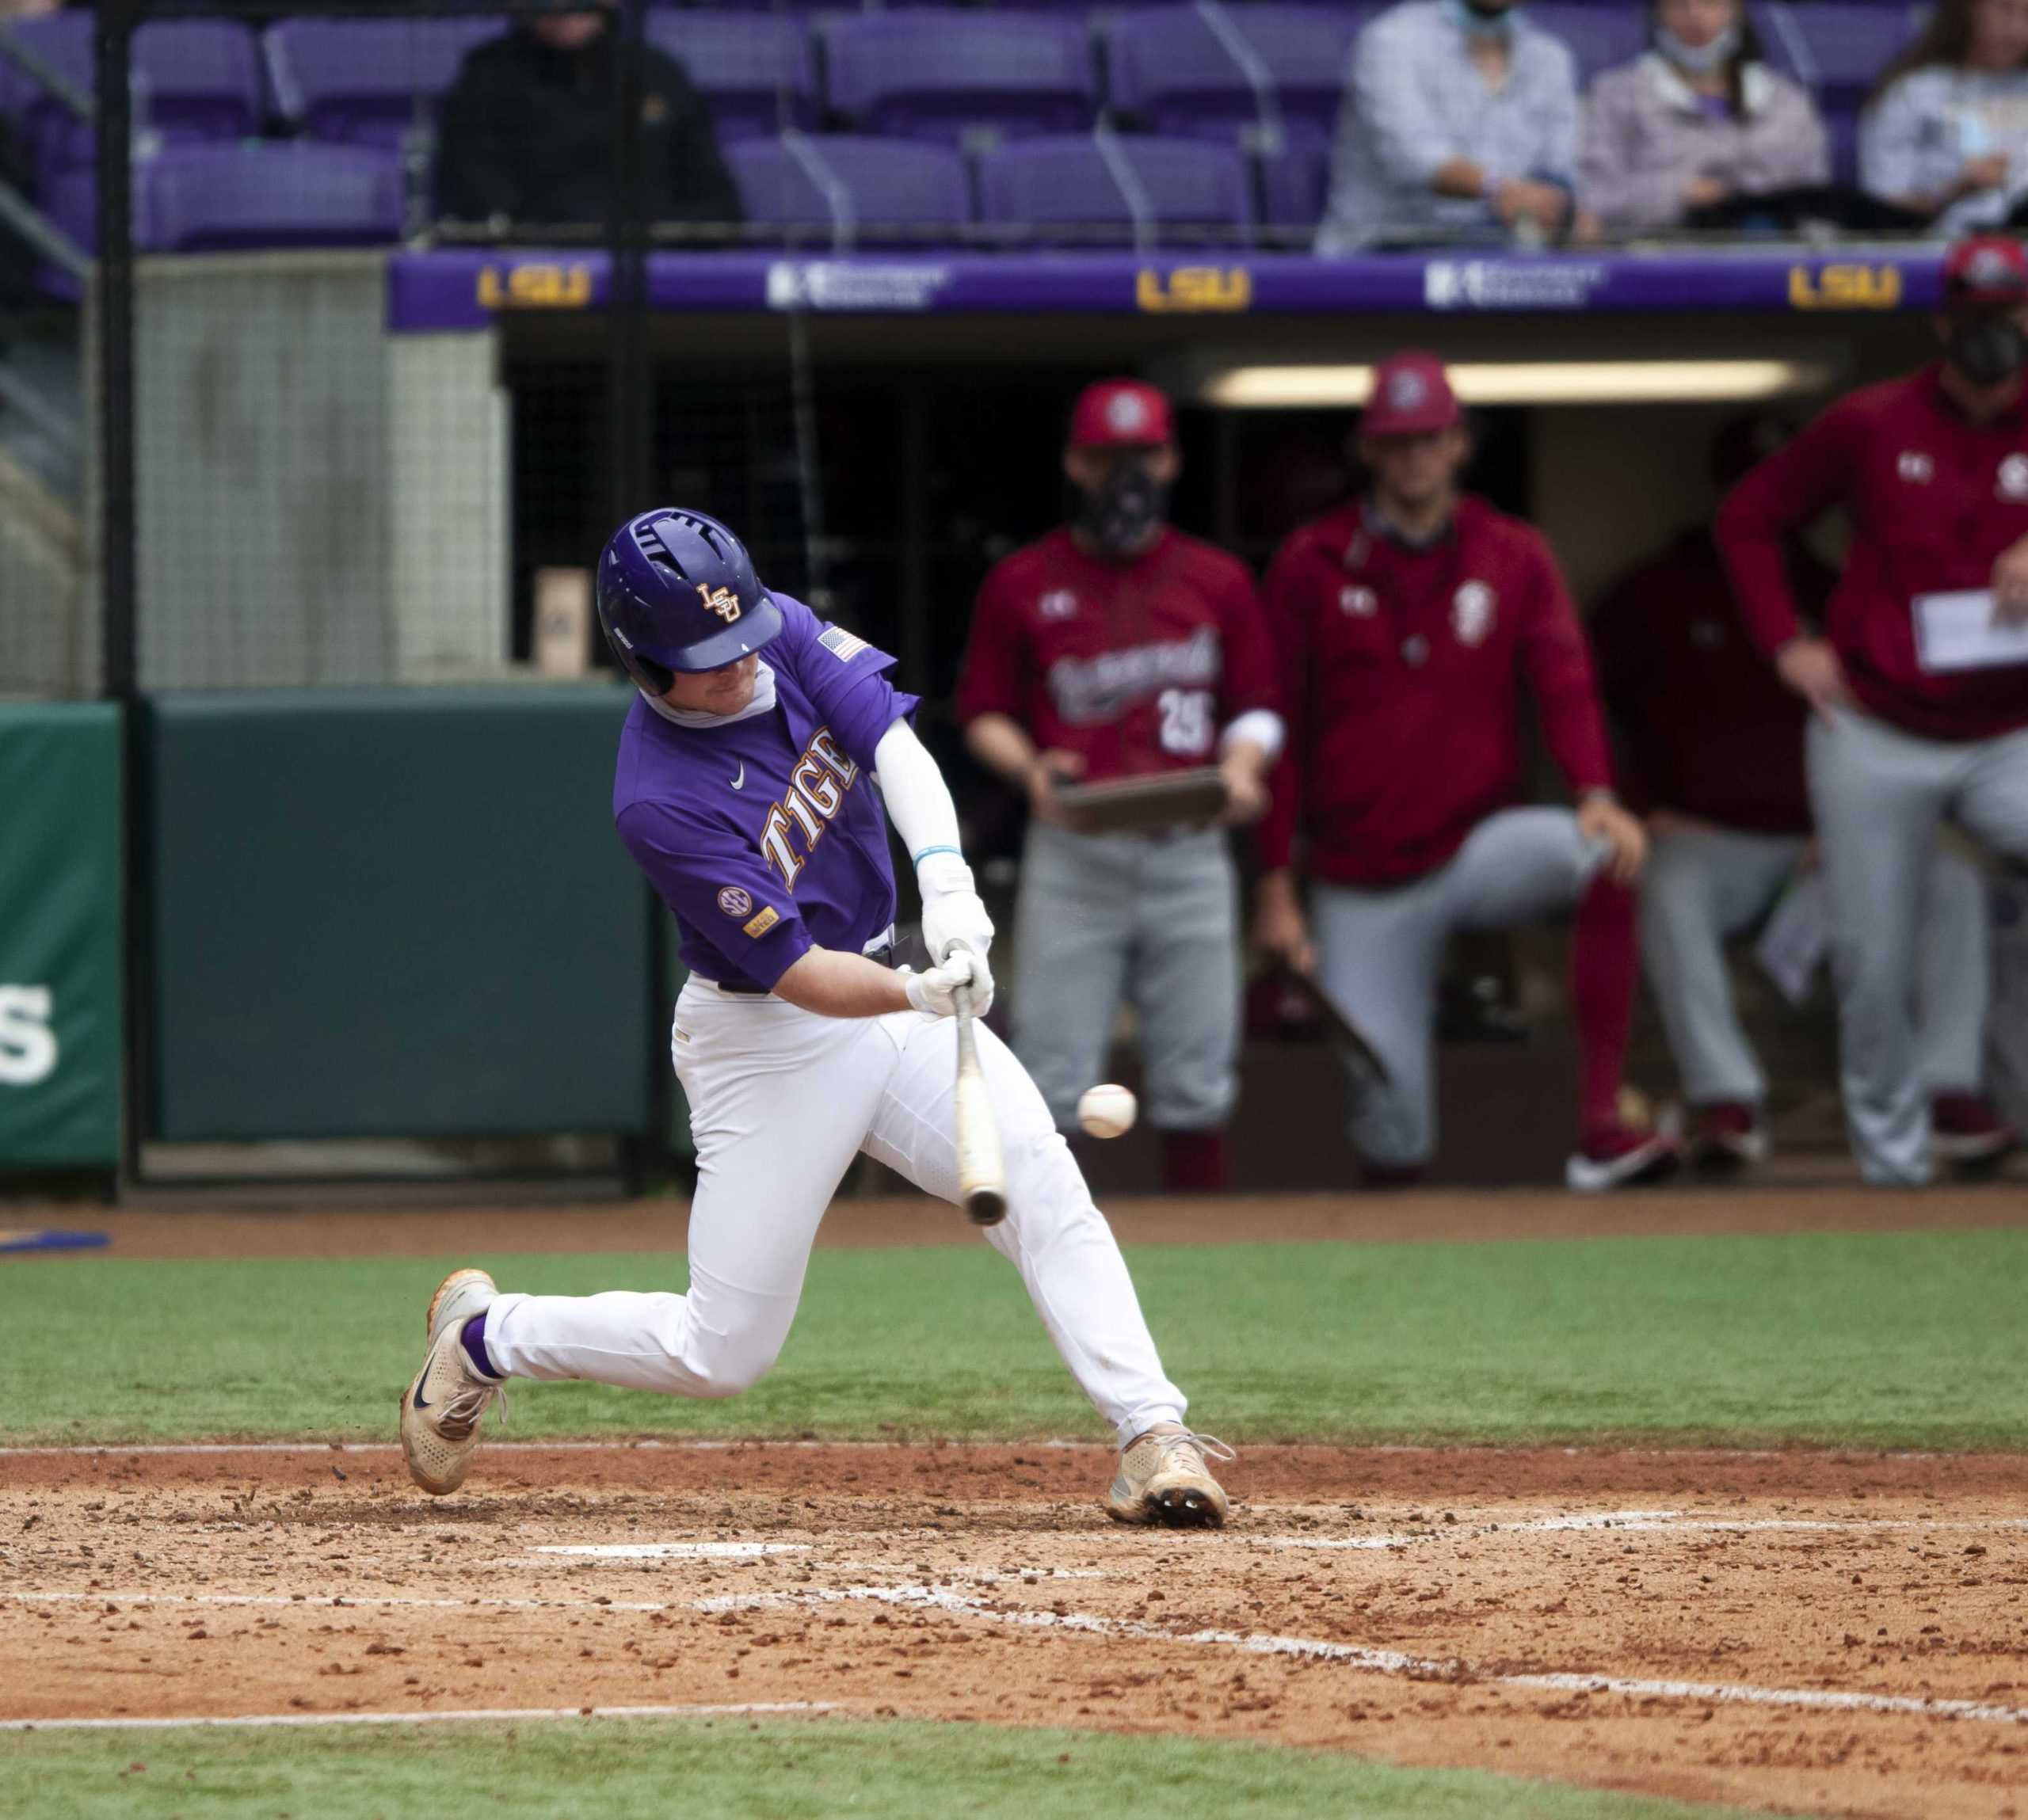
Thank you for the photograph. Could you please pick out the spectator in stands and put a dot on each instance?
(1117, 647)
(1933, 470)
(1459, 123)
(1712, 756)
(1945, 132)
(1698, 121)
(1411, 623)
(527, 133)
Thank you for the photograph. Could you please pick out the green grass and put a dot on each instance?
(803, 1770)
(1904, 1340)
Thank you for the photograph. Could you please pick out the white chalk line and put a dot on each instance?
(740, 1710)
(1385, 1661)
(343, 1601)
(1391, 1662)
(672, 1551)
(1632, 1522)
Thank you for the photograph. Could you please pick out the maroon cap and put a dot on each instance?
(1988, 269)
(1412, 396)
(1121, 413)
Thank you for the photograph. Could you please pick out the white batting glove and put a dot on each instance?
(952, 914)
(932, 993)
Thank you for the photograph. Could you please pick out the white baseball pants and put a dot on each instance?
(780, 1100)
(1149, 915)
(1878, 794)
(1378, 952)
(1704, 885)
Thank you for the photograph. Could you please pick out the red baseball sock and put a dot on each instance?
(1605, 967)
(1194, 1162)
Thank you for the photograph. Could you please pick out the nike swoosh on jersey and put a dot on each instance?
(739, 782)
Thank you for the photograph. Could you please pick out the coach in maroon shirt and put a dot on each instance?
(1933, 469)
(1118, 647)
(1410, 623)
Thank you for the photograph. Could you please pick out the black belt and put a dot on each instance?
(746, 988)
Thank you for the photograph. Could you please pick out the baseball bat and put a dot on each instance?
(982, 1173)
(1339, 1031)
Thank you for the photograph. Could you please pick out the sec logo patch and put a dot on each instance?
(735, 902)
(2014, 477)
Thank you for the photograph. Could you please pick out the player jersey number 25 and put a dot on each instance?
(1186, 720)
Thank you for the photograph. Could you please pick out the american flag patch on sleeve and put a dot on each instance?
(840, 643)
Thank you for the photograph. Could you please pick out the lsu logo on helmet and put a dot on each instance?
(720, 600)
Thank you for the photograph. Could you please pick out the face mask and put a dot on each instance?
(1987, 349)
(1119, 513)
(1468, 18)
(1698, 59)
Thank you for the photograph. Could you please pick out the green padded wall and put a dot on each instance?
(61, 992)
(394, 913)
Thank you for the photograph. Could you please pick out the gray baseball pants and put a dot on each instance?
(1378, 952)
(1878, 795)
(1704, 884)
(1152, 916)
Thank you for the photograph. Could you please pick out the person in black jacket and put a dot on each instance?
(527, 135)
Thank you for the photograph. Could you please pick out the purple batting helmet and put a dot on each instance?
(676, 592)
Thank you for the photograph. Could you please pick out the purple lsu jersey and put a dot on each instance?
(765, 835)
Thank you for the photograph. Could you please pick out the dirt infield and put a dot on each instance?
(1830, 1634)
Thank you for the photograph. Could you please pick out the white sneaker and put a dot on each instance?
(1163, 1478)
(441, 1413)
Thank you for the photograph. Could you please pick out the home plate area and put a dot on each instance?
(1831, 1633)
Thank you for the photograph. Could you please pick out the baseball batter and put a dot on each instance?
(1409, 622)
(745, 791)
(1118, 647)
(1712, 758)
(1933, 469)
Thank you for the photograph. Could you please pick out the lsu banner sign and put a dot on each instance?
(59, 936)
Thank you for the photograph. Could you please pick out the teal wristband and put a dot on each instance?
(917, 858)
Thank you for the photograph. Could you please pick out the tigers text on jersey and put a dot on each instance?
(765, 835)
(1137, 665)
(1403, 670)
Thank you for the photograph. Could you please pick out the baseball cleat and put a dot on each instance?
(441, 1411)
(1965, 1130)
(1621, 1157)
(1729, 1135)
(1163, 1478)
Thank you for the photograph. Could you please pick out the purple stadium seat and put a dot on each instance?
(218, 197)
(1292, 189)
(1833, 46)
(362, 82)
(754, 69)
(69, 198)
(1173, 73)
(1598, 36)
(841, 188)
(193, 79)
(948, 76)
(1069, 183)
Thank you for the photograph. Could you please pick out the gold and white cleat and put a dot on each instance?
(1165, 1478)
(441, 1411)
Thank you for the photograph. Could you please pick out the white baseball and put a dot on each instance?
(1107, 1111)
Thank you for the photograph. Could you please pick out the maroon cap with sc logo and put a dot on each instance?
(1412, 396)
(1988, 269)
